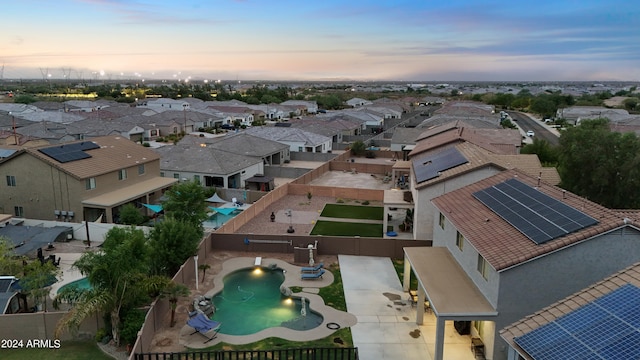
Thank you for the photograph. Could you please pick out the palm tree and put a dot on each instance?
(174, 292)
(117, 275)
(204, 268)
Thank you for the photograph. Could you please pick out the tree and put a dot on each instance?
(174, 292)
(186, 202)
(37, 281)
(171, 243)
(116, 274)
(9, 264)
(204, 268)
(358, 148)
(630, 104)
(543, 107)
(547, 154)
(601, 165)
(130, 215)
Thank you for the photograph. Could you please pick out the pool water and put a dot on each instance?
(81, 284)
(251, 301)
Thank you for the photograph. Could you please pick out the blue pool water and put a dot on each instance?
(82, 283)
(251, 301)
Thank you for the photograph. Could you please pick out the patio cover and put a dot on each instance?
(450, 291)
(155, 208)
(128, 193)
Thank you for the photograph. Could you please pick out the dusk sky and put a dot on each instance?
(418, 40)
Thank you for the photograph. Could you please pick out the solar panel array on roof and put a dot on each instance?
(429, 167)
(538, 216)
(607, 328)
(70, 152)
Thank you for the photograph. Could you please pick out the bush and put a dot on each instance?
(131, 324)
(366, 202)
(339, 201)
(101, 334)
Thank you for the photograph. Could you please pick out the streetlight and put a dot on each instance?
(184, 110)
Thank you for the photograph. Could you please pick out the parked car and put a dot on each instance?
(228, 127)
(530, 133)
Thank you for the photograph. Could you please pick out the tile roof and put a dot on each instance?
(501, 244)
(479, 157)
(500, 141)
(115, 153)
(630, 275)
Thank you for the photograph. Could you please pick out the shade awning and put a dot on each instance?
(224, 211)
(216, 199)
(154, 208)
(451, 293)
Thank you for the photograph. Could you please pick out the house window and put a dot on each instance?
(441, 221)
(90, 183)
(141, 169)
(161, 173)
(122, 174)
(11, 180)
(18, 211)
(459, 240)
(483, 267)
(196, 178)
(300, 148)
(176, 175)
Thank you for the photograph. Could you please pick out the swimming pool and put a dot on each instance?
(82, 283)
(251, 301)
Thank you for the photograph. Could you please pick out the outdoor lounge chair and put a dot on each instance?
(312, 275)
(312, 268)
(205, 326)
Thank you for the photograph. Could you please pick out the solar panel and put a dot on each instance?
(429, 167)
(70, 152)
(538, 216)
(598, 330)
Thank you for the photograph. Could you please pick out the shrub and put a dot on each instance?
(339, 201)
(131, 324)
(366, 202)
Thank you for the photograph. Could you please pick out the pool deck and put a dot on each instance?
(310, 289)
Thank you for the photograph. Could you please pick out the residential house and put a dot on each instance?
(598, 322)
(575, 114)
(357, 102)
(499, 141)
(80, 181)
(298, 140)
(509, 245)
(329, 128)
(309, 107)
(475, 114)
(241, 143)
(194, 159)
(448, 168)
(53, 133)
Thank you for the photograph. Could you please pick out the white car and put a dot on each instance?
(530, 133)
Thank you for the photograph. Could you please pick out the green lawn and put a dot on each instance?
(336, 228)
(69, 350)
(353, 211)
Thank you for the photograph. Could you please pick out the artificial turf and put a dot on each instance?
(353, 212)
(336, 228)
